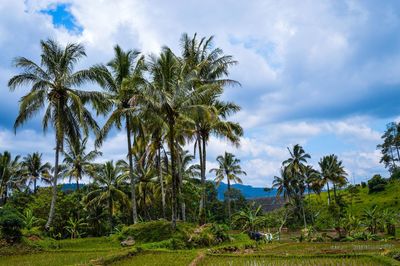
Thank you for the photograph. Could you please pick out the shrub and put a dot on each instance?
(11, 225)
(155, 231)
(376, 184)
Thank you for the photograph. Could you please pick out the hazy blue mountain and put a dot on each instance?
(249, 192)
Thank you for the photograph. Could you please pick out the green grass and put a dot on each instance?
(52, 258)
(389, 198)
(149, 258)
(317, 261)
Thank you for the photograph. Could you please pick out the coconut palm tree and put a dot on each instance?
(10, 174)
(171, 98)
(33, 168)
(125, 65)
(230, 169)
(333, 171)
(77, 161)
(211, 66)
(296, 168)
(109, 178)
(283, 184)
(53, 82)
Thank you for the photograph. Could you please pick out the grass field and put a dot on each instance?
(389, 198)
(106, 251)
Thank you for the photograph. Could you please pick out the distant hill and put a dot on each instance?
(249, 192)
(70, 186)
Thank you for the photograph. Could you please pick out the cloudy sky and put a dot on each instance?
(324, 74)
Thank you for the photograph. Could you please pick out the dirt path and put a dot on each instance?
(200, 256)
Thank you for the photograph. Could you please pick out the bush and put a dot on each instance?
(186, 235)
(155, 231)
(376, 184)
(10, 224)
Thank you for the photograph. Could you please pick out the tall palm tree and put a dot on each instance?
(53, 83)
(109, 178)
(313, 179)
(10, 173)
(230, 169)
(283, 184)
(125, 65)
(296, 167)
(171, 98)
(33, 168)
(77, 161)
(332, 171)
(211, 67)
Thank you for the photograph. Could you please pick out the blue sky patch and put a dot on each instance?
(62, 17)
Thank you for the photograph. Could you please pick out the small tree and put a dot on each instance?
(10, 224)
(376, 184)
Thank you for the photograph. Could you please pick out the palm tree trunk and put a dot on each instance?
(329, 194)
(334, 192)
(110, 214)
(304, 215)
(34, 186)
(77, 184)
(229, 199)
(173, 171)
(202, 178)
(132, 179)
(161, 182)
(54, 190)
(181, 200)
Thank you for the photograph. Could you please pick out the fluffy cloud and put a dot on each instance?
(323, 74)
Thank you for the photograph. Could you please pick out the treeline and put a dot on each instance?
(162, 102)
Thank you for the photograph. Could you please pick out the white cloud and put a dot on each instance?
(307, 69)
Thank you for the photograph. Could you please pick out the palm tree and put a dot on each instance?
(110, 178)
(333, 171)
(33, 168)
(53, 83)
(186, 171)
(78, 162)
(211, 67)
(229, 168)
(313, 180)
(171, 98)
(282, 184)
(296, 168)
(10, 173)
(125, 65)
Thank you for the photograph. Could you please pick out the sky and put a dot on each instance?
(324, 74)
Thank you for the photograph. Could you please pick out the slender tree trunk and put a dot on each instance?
(34, 186)
(180, 186)
(77, 184)
(54, 190)
(161, 182)
(173, 172)
(132, 178)
(304, 215)
(203, 140)
(334, 192)
(110, 214)
(202, 213)
(329, 194)
(229, 199)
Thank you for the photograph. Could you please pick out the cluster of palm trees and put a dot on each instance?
(161, 101)
(19, 174)
(298, 178)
